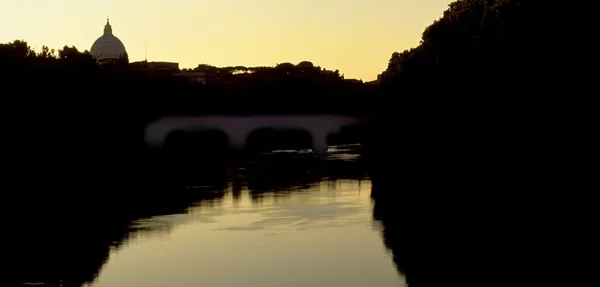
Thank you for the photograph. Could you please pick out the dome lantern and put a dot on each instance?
(107, 28)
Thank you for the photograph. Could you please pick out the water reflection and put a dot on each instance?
(302, 237)
(281, 219)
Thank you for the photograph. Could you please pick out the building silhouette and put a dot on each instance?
(108, 48)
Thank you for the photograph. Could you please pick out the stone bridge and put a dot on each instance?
(238, 128)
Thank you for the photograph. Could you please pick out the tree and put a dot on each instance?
(16, 51)
(481, 41)
(46, 53)
(68, 52)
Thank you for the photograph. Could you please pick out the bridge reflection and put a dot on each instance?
(61, 241)
(190, 158)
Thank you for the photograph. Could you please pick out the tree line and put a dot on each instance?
(472, 86)
(477, 143)
(477, 47)
(72, 74)
(478, 59)
(476, 43)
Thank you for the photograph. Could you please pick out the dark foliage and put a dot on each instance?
(461, 141)
(70, 80)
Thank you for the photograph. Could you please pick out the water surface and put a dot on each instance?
(316, 234)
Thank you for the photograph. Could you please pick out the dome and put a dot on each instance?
(108, 46)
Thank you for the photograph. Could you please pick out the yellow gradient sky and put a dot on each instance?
(355, 36)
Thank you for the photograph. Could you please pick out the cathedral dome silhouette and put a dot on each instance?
(108, 46)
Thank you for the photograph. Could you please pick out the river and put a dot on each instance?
(321, 235)
(290, 220)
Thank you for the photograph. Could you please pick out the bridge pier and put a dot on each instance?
(237, 140)
(319, 143)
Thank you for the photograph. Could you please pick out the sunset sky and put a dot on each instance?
(355, 36)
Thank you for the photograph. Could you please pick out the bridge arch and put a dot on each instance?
(188, 153)
(188, 145)
(269, 139)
